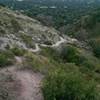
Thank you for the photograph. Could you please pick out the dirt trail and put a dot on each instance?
(29, 82)
(62, 40)
(36, 49)
(57, 44)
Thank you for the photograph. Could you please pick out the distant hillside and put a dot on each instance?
(56, 13)
(87, 29)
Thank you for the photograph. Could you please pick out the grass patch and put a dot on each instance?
(38, 62)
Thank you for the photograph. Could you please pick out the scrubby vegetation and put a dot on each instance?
(96, 47)
(28, 40)
(17, 51)
(39, 63)
(15, 25)
(71, 54)
(6, 58)
(51, 53)
(63, 85)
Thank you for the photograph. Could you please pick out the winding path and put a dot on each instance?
(58, 43)
(62, 40)
(37, 48)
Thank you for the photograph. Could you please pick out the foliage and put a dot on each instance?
(39, 63)
(17, 51)
(70, 54)
(15, 25)
(62, 85)
(27, 39)
(6, 58)
(51, 53)
(96, 47)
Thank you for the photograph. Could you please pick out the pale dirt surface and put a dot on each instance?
(62, 40)
(31, 83)
(36, 49)
(27, 84)
(57, 44)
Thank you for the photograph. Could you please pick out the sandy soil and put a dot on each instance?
(28, 83)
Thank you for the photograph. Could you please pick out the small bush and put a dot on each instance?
(18, 51)
(51, 53)
(96, 47)
(28, 40)
(6, 58)
(72, 55)
(87, 64)
(61, 85)
(37, 62)
(69, 54)
(16, 25)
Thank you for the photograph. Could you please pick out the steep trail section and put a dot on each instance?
(30, 85)
(28, 82)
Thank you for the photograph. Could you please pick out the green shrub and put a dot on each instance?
(96, 47)
(51, 53)
(69, 54)
(89, 22)
(16, 26)
(18, 51)
(61, 85)
(88, 65)
(28, 40)
(3, 60)
(6, 58)
(38, 62)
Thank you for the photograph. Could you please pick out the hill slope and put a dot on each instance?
(37, 62)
